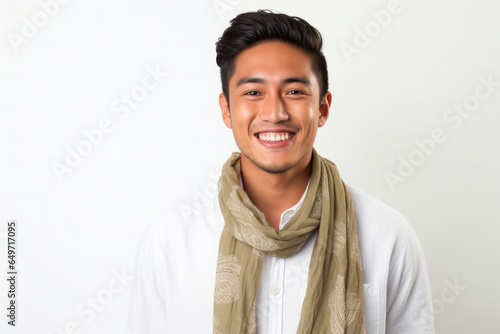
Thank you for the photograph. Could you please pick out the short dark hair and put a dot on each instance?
(251, 28)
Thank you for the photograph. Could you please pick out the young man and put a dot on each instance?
(286, 246)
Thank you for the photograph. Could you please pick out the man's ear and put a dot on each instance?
(224, 107)
(324, 109)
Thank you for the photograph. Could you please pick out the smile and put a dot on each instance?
(274, 136)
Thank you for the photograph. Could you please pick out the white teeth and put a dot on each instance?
(272, 137)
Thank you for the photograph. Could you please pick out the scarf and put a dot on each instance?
(333, 302)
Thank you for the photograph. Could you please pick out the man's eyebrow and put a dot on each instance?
(297, 79)
(262, 81)
(249, 80)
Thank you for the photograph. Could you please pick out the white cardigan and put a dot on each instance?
(176, 262)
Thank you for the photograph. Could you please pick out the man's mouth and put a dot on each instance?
(274, 136)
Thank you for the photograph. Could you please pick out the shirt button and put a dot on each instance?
(276, 291)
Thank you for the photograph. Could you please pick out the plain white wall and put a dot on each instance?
(65, 67)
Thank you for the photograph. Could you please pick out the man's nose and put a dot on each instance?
(274, 110)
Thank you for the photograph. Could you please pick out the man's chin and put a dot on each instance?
(277, 164)
(274, 168)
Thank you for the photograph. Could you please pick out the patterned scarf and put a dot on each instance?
(334, 296)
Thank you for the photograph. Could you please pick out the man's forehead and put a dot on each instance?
(272, 60)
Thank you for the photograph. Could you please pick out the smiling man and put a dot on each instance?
(286, 246)
(274, 107)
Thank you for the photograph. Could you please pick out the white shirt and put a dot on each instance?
(176, 262)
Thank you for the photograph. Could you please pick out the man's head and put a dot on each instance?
(249, 29)
(275, 90)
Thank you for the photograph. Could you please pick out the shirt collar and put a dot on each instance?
(290, 212)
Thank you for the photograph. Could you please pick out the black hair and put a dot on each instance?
(251, 28)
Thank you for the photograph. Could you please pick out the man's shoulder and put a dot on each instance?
(386, 239)
(193, 215)
(376, 218)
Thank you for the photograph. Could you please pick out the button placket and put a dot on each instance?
(276, 295)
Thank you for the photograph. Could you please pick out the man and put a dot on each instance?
(286, 246)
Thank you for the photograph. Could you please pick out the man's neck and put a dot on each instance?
(274, 193)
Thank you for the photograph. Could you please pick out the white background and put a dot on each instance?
(77, 232)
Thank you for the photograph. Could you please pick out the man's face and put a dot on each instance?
(274, 106)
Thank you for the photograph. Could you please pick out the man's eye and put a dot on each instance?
(252, 93)
(294, 92)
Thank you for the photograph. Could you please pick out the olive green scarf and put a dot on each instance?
(334, 297)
